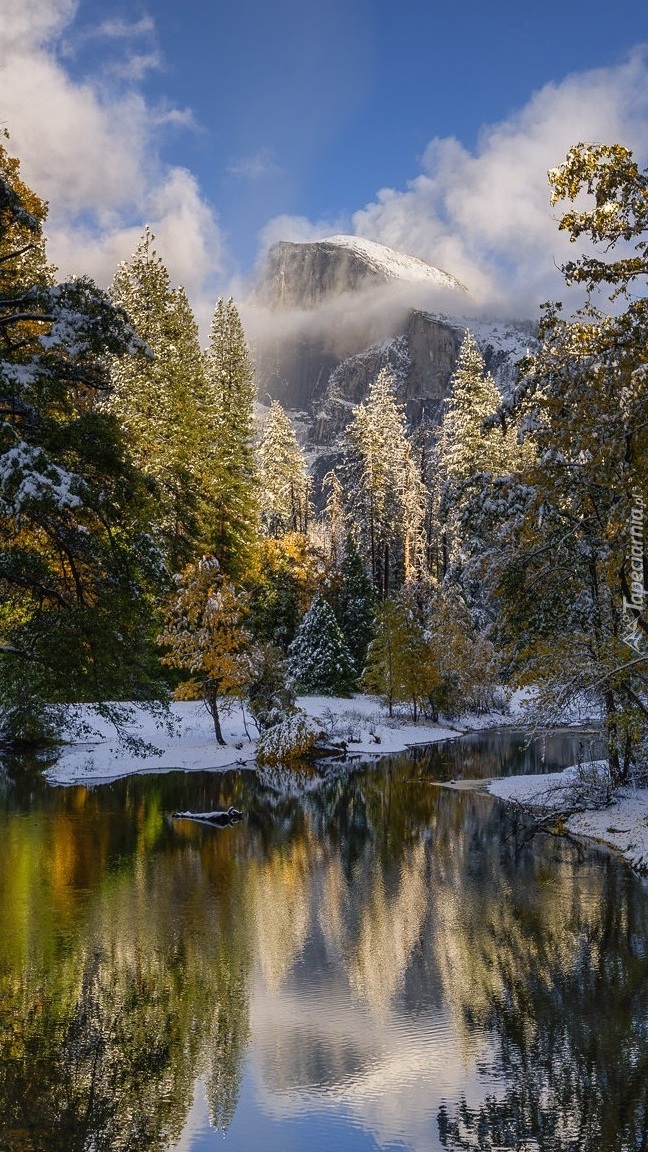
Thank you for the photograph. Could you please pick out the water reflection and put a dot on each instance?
(372, 962)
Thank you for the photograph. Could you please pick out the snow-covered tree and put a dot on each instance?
(158, 396)
(566, 549)
(467, 447)
(284, 482)
(374, 473)
(471, 444)
(319, 659)
(335, 518)
(206, 637)
(77, 567)
(232, 392)
(352, 597)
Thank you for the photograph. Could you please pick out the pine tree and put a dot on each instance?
(334, 516)
(319, 660)
(352, 598)
(467, 447)
(284, 482)
(471, 443)
(374, 477)
(77, 567)
(232, 391)
(205, 636)
(158, 396)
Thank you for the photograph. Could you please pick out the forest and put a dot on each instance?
(159, 538)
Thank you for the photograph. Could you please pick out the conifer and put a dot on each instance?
(234, 483)
(319, 659)
(284, 482)
(374, 477)
(77, 567)
(352, 598)
(158, 397)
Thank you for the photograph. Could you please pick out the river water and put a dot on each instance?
(368, 960)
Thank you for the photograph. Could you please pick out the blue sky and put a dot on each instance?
(228, 125)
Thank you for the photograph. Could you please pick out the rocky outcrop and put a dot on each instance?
(331, 314)
(306, 276)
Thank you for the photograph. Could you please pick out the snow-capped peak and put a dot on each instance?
(395, 265)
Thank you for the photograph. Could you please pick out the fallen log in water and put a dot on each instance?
(221, 819)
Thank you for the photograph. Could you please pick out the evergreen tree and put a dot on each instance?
(567, 547)
(158, 396)
(415, 509)
(234, 494)
(467, 446)
(334, 516)
(471, 444)
(374, 477)
(284, 482)
(77, 567)
(352, 599)
(319, 659)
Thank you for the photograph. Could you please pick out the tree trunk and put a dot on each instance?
(618, 772)
(212, 706)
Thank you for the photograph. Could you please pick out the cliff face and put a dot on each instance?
(307, 275)
(330, 314)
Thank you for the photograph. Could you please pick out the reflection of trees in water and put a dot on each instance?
(558, 977)
(103, 1034)
(388, 930)
(279, 894)
(127, 945)
(491, 753)
(107, 1068)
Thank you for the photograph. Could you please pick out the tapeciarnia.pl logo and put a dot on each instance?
(635, 605)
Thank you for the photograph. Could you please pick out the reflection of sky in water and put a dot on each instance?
(357, 1029)
(344, 963)
(315, 1128)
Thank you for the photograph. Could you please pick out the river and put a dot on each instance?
(368, 960)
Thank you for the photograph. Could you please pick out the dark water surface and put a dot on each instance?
(366, 961)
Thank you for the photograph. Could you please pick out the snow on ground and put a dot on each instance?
(623, 825)
(360, 721)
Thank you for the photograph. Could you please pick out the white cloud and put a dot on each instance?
(92, 150)
(300, 230)
(133, 43)
(256, 167)
(485, 215)
(118, 29)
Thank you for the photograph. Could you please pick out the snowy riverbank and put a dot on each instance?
(622, 826)
(361, 722)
